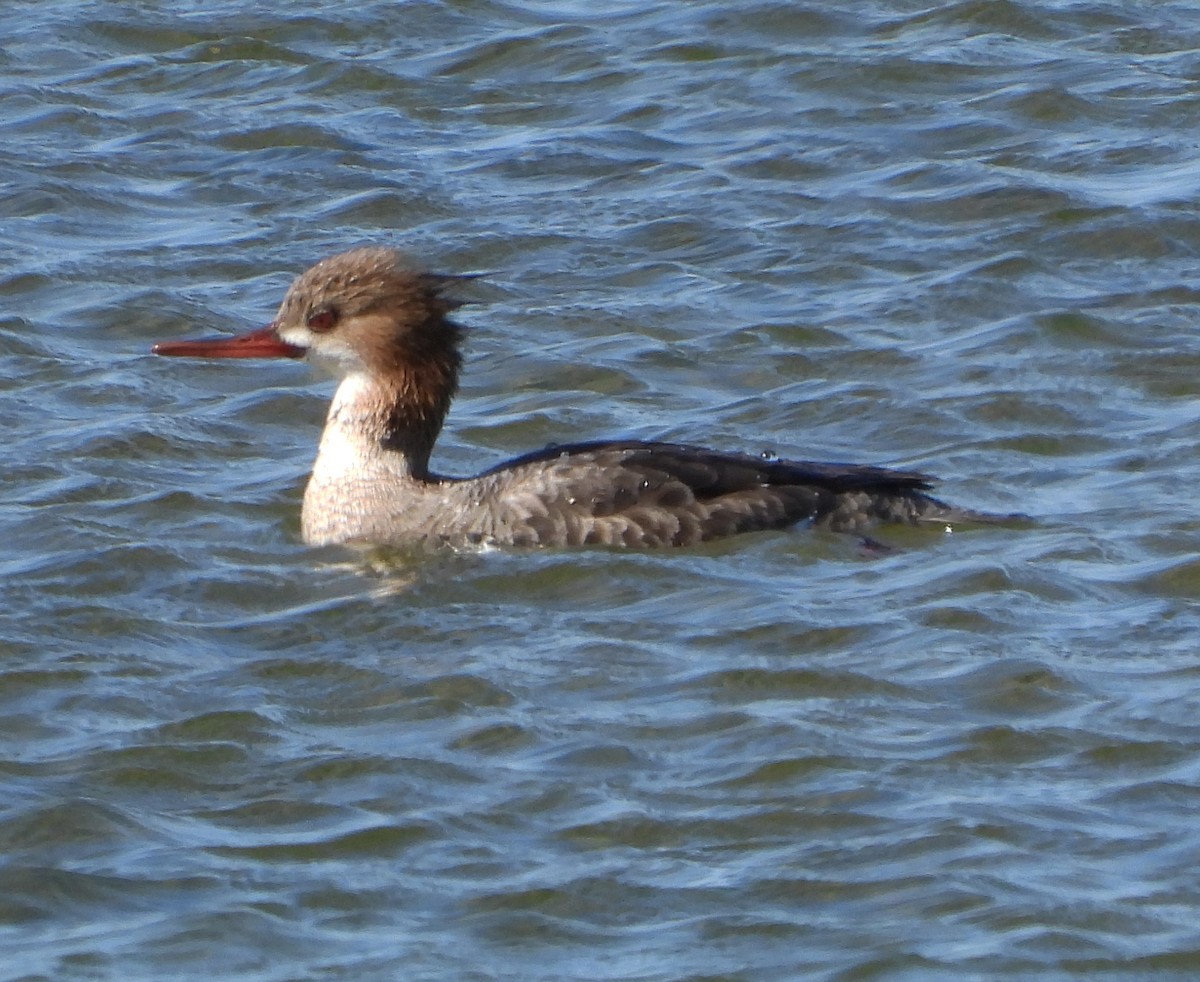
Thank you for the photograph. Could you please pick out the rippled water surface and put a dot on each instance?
(958, 237)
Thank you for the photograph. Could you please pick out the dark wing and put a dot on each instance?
(652, 494)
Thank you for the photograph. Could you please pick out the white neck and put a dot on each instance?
(351, 447)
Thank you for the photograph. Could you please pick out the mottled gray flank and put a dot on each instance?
(619, 494)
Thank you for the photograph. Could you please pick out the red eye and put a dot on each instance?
(322, 320)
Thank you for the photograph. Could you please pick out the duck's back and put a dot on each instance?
(647, 495)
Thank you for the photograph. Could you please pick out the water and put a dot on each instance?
(956, 237)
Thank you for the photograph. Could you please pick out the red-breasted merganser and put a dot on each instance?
(385, 326)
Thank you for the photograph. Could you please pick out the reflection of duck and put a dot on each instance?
(385, 327)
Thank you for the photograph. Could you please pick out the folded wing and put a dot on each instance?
(654, 494)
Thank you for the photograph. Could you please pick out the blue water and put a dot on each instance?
(959, 238)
